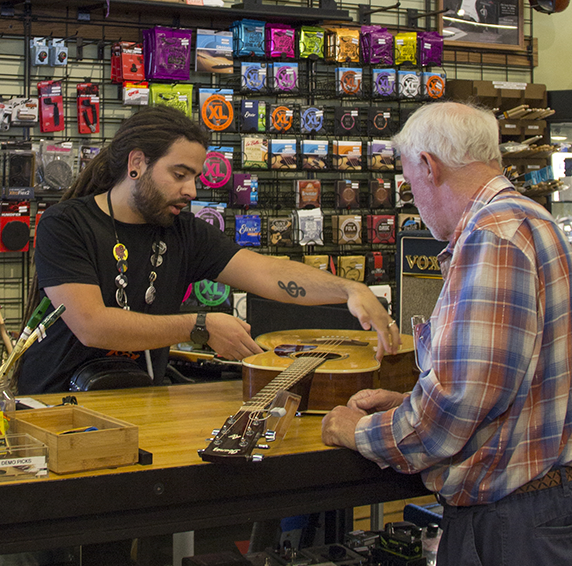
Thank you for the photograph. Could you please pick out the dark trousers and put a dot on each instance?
(524, 529)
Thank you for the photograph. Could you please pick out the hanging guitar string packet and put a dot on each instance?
(253, 116)
(253, 77)
(167, 53)
(254, 152)
(280, 40)
(346, 229)
(247, 229)
(314, 154)
(312, 119)
(217, 109)
(217, 167)
(283, 153)
(284, 77)
(310, 227)
(280, 231)
(384, 83)
(311, 42)
(213, 51)
(248, 38)
(244, 190)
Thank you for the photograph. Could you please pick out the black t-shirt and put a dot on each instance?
(75, 241)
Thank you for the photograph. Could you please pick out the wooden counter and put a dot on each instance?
(179, 492)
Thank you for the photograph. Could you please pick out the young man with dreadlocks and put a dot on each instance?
(119, 252)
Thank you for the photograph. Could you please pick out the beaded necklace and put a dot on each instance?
(120, 253)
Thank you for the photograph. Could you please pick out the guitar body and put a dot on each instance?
(353, 365)
(335, 381)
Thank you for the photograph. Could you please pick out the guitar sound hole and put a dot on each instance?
(321, 355)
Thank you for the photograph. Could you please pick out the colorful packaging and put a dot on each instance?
(349, 81)
(280, 41)
(217, 168)
(312, 119)
(376, 45)
(179, 95)
(127, 62)
(342, 45)
(167, 53)
(406, 48)
(384, 83)
(315, 154)
(253, 77)
(88, 108)
(284, 77)
(217, 109)
(433, 85)
(213, 52)
(51, 106)
(248, 38)
(253, 116)
(430, 48)
(311, 42)
(244, 190)
(248, 229)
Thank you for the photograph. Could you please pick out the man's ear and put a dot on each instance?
(136, 161)
(433, 167)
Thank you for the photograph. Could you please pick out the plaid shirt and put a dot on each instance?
(495, 410)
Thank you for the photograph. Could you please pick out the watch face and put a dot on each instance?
(200, 335)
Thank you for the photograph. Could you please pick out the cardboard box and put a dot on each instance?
(114, 443)
(534, 127)
(510, 127)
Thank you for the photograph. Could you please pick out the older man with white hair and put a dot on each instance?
(488, 425)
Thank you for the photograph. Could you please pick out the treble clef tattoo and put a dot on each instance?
(292, 289)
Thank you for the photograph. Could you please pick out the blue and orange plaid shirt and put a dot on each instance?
(495, 409)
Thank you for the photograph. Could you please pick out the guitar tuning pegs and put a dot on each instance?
(270, 435)
(215, 431)
(263, 446)
(257, 458)
(201, 451)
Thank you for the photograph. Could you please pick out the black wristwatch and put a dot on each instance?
(200, 334)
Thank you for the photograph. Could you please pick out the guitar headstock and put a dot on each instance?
(237, 438)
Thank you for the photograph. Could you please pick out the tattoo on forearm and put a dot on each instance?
(292, 289)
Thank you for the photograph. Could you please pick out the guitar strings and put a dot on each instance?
(301, 367)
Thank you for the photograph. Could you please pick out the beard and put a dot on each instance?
(150, 203)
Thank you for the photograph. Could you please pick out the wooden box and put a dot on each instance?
(114, 443)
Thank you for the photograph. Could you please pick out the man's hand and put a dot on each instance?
(230, 337)
(375, 400)
(339, 425)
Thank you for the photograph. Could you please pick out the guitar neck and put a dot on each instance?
(283, 381)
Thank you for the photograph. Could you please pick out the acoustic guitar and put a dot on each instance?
(335, 353)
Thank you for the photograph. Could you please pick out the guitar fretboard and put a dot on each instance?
(301, 367)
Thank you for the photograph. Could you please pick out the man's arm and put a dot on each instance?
(98, 326)
(295, 282)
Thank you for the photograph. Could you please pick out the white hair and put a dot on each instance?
(457, 134)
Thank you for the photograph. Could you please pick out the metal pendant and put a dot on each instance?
(156, 260)
(122, 266)
(121, 298)
(159, 247)
(150, 294)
